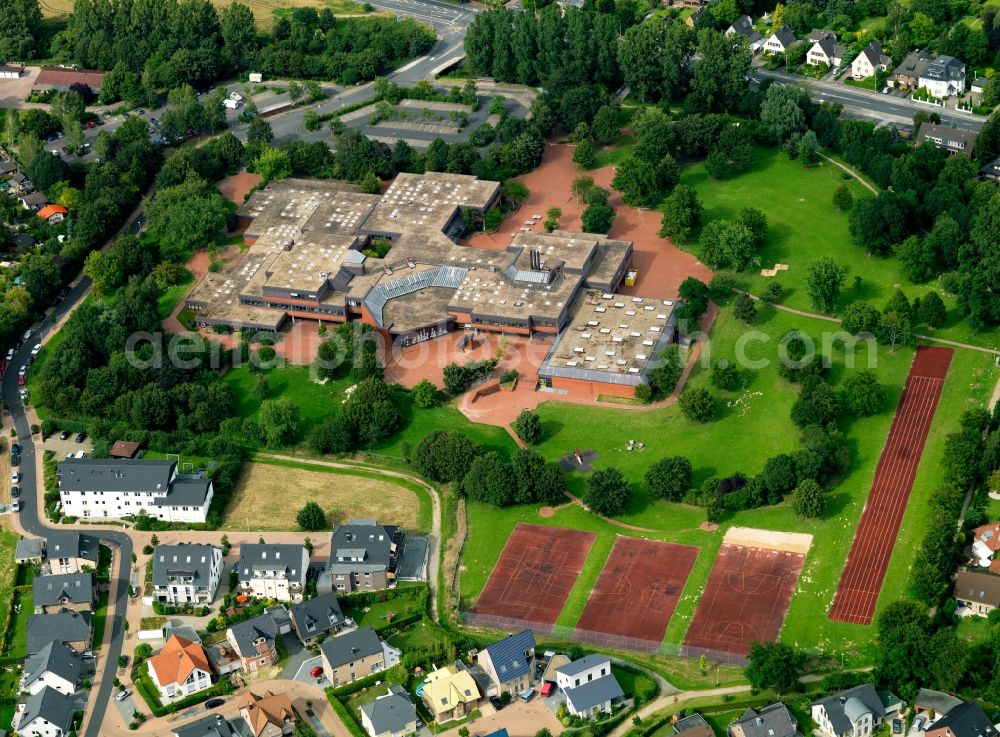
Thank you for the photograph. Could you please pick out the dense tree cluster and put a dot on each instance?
(21, 31)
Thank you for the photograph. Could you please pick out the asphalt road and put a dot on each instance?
(31, 487)
(873, 105)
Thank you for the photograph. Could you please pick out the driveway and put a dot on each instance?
(301, 673)
(297, 655)
(520, 720)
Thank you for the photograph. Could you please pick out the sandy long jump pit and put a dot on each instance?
(636, 594)
(532, 580)
(748, 591)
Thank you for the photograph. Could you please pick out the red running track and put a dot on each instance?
(861, 581)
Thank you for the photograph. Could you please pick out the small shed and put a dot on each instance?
(29, 550)
(125, 449)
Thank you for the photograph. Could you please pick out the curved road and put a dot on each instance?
(32, 489)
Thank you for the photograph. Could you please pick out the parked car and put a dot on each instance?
(15, 505)
(497, 703)
(15, 477)
(10, 354)
(15, 448)
(64, 434)
(81, 436)
(15, 492)
(122, 695)
(23, 393)
(15, 460)
(316, 671)
(23, 370)
(214, 703)
(20, 378)
(35, 349)
(18, 343)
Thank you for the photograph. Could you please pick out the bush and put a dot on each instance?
(808, 499)
(311, 517)
(528, 427)
(669, 478)
(725, 376)
(607, 492)
(863, 395)
(426, 395)
(698, 405)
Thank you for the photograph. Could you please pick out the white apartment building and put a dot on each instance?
(93, 487)
(586, 669)
(186, 573)
(273, 571)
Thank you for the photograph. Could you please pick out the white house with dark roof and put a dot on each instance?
(273, 571)
(586, 669)
(55, 666)
(743, 26)
(943, 77)
(391, 715)
(364, 555)
(64, 591)
(780, 41)
(96, 487)
(509, 663)
(70, 552)
(319, 616)
(47, 713)
(856, 712)
(774, 720)
(825, 51)
(254, 641)
(869, 61)
(186, 573)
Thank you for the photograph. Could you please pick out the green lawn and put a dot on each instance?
(748, 439)
(19, 627)
(99, 619)
(804, 225)
(974, 630)
(378, 613)
(419, 636)
(172, 296)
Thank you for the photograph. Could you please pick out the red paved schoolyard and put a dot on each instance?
(745, 599)
(662, 267)
(636, 593)
(534, 576)
(868, 560)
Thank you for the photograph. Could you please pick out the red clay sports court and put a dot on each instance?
(745, 600)
(861, 580)
(532, 580)
(636, 593)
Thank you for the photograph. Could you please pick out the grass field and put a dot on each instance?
(748, 439)
(100, 619)
(342, 494)
(804, 225)
(172, 296)
(264, 10)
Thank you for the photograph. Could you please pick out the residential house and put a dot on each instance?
(100, 487)
(991, 170)
(72, 552)
(773, 720)
(61, 78)
(986, 538)
(20, 240)
(934, 704)
(47, 713)
(254, 642)
(856, 712)
(694, 726)
(212, 725)
(391, 715)
(825, 51)
(450, 693)
(273, 571)
(780, 41)
(124, 449)
(270, 715)
(907, 74)
(34, 200)
(965, 720)
(20, 184)
(29, 550)
(364, 555)
(743, 26)
(956, 141)
(64, 591)
(180, 669)
(591, 697)
(943, 77)
(869, 61)
(977, 591)
(68, 627)
(509, 663)
(979, 85)
(352, 656)
(317, 617)
(53, 213)
(8, 168)
(687, 3)
(586, 669)
(187, 573)
(54, 666)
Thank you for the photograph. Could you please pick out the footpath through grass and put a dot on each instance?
(753, 424)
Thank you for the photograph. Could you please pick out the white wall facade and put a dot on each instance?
(38, 727)
(188, 592)
(941, 88)
(52, 681)
(198, 680)
(90, 504)
(602, 668)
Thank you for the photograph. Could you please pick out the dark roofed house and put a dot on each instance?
(965, 720)
(509, 662)
(254, 642)
(124, 449)
(11, 71)
(319, 616)
(821, 34)
(773, 720)
(743, 26)
(212, 725)
(780, 41)
(273, 571)
(979, 85)
(29, 550)
(352, 656)
(592, 697)
(186, 573)
(8, 167)
(68, 552)
(364, 555)
(991, 170)
(934, 704)
(34, 200)
(64, 591)
(907, 74)
(55, 666)
(869, 61)
(955, 141)
(47, 713)
(943, 77)
(856, 712)
(69, 627)
(391, 715)
(20, 240)
(694, 726)
(977, 591)
(826, 51)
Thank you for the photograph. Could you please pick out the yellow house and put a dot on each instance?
(450, 693)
